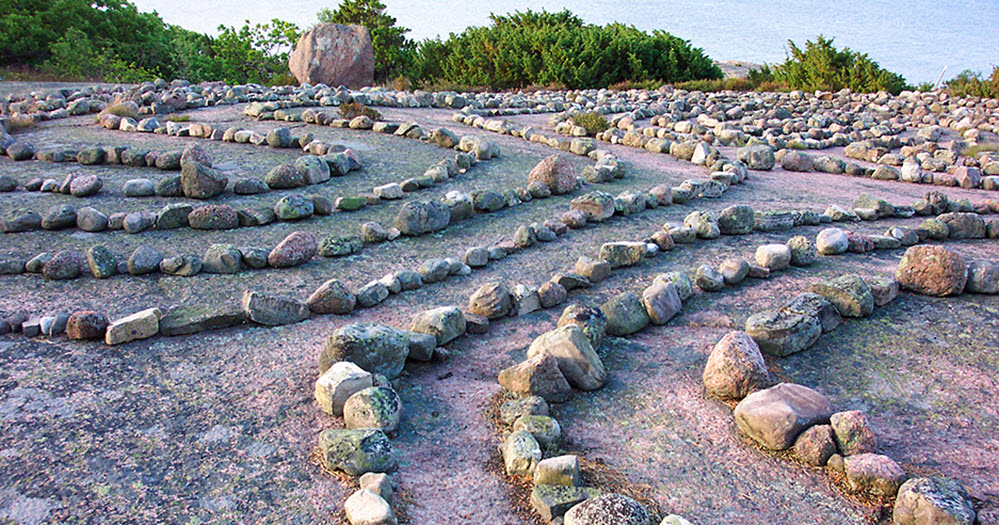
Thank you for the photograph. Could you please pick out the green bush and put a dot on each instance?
(971, 84)
(545, 49)
(820, 66)
(594, 123)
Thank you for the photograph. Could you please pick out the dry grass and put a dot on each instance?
(122, 110)
(174, 117)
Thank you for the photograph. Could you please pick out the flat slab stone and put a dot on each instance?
(193, 319)
(140, 325)
(775, 417)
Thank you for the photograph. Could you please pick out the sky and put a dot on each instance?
(916, 38)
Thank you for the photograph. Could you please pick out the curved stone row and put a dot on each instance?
(794, 417)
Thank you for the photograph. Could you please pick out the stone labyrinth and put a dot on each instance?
(236, 304)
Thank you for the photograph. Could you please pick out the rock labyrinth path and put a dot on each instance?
(240, 400)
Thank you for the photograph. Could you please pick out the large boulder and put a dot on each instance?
(735, 367)
(932, 270)
(537, 376)
(556, 172)
(201, 181)
(445, 323)
(379, 349)
(334, 55)
(775, 417)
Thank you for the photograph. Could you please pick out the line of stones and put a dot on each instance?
(228, 259)
(791, 416)
(552, 368)
(554, 477)
(696, 145)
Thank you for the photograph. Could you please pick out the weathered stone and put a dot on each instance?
(101, 261)
(86, 324)
(621, 254)
(802, 251)
(704, 224)
(662, 302)
(708, 279)
(357, 451)
(735, 368)
(814, 305)
(734, 270)
(334, 54)
(736, 220)
(59, 217)
(932, 270)
(883, 289)
(181, 265)
(215, 217)
(815, 445)
(294, 207)
(873, 474)
(86, 186)
(961, 225)
(560, 470)
(418, 218)
(492, 300)
(591, 320)
(544, 429)
(758, 157)
(774, 257)
(783, 333)
(609, 508)
(193, 319)
(776, 416)
(65, 264)
(849, 293)
(557, 173)
(511, 410)
(201, 181)
(140, 325)
(521, 453)
(552, 501)
(434, 270)
(365, 507)
(144, 260)
(379, 349)
(272, 309)
(832, 241)
(446, 323)
(577, 359)
(933, 501)
(625, 314)
(374, 407)
(342, 380)
(332, 297)
(595, 205)
(983, 276)
(297, 248)
(537, 376)
(222, 259)
(680, 280)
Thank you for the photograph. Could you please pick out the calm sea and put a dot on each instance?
(914, 38)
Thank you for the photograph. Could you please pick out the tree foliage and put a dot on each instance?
(394, 53)
(970, 83)
(543, 48)
(820, 66)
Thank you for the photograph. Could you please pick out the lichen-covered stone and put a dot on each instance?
(775, 417)
(932, 270)
(783, 333)
(933, 501)
(735, 368)
(374, 407)
(357, 451)
(577, 359)
(379, 349)
(849, 293)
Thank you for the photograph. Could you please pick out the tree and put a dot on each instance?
(393, 51)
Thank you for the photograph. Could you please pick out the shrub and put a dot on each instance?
(350, 110)
(728, 84)
(594, 123)
(544, 48)
(820, 66)
(971, 84)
